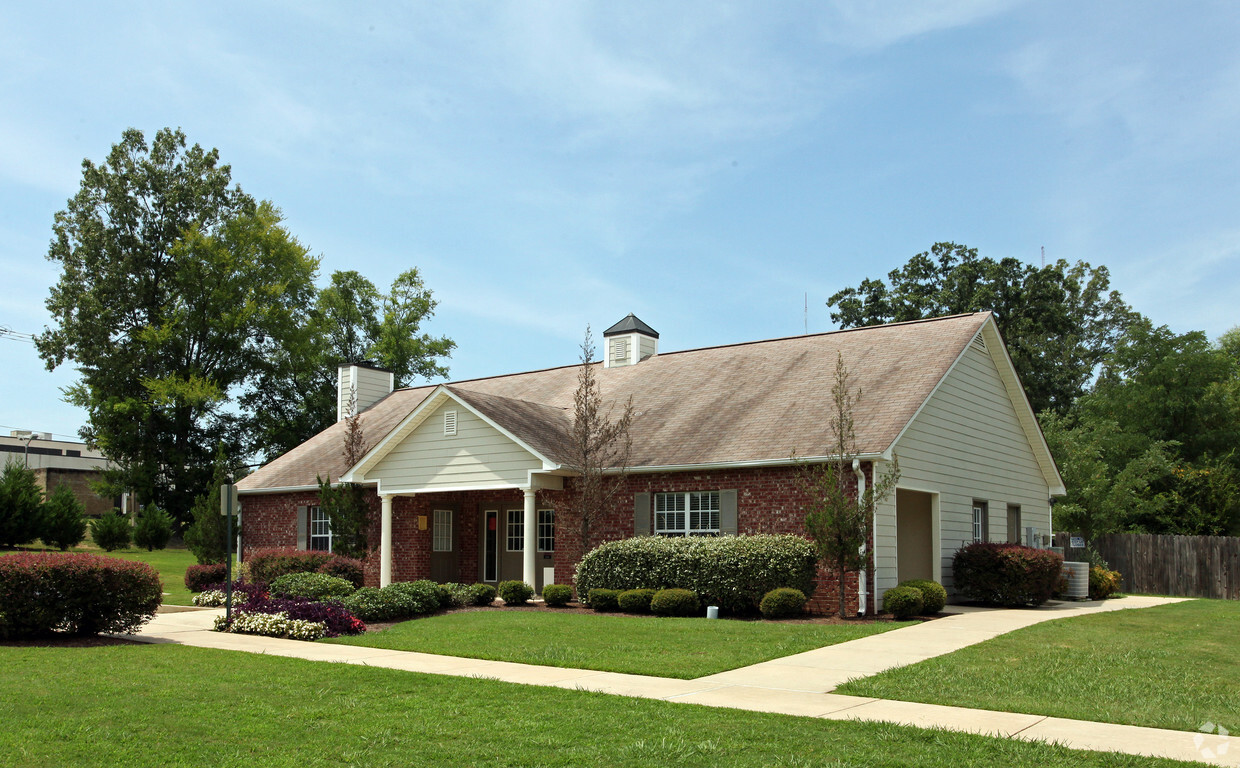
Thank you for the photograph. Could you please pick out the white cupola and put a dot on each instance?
(628, 342)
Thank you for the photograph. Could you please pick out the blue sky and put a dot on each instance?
(704, 165)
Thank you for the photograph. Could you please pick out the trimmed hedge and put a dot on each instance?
(603, 600)
(903, 602)
(933, 595)
(421, 596)
(312, 586)
(41, 592)
(1006, 574)
(374, 604)
(782, 603)
(732, 572)
(515, 592)
(557, 595)
(675, 602)
(635, 600)
(197, 577)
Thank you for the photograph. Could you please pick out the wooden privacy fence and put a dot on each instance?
(1183, 566)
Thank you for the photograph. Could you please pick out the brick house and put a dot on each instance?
(464, 474)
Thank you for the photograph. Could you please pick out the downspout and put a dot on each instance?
(863, 596)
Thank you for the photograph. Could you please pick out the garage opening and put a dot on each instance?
(915, 545)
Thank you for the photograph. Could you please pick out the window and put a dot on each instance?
(1013, 524)
(441, 531)
(981, 523)
(516, 530)
(320, 530)
(695, 513)
(546, 530)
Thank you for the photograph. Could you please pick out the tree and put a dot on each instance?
(64, 523)
(351, 320)
(598, 449)
(1059, 321)
(174, 290)
(837, 518)
(21, 506)
(345, 505)
(207, 535)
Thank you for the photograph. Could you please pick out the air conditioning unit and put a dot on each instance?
(1077, 575)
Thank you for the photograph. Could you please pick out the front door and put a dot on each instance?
(490, 545)
(445, 551)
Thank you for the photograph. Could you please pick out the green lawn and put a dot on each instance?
(170, 563)
(683, 648)
(167, 705)
(1173, 666)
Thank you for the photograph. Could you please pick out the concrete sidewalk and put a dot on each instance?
(795, 685)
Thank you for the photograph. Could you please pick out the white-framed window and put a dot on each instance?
(441, 531)
(546, 530)
(693, 513)
(516, 530)
(320, 530)
(981, 522)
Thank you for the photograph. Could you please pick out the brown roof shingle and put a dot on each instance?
(757, 401)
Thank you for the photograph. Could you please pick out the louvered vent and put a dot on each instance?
(979, 343)
(449, 422)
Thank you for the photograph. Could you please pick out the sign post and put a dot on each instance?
(228, 499)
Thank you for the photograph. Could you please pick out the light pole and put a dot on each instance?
(228, 495)
(26, 438)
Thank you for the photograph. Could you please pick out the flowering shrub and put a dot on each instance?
(79, 593)
(314, 586)
(336, 619)
(197, 577)
(272, 625)
(782, 603)
(733, 572)
(1006, 574)
(243, 591)
(210, 598)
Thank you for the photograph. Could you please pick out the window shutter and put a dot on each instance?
(727, 513)
(641, 514)
(303, 527)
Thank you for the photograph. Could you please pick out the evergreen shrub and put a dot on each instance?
(603, 600)
(903, 602)
(675, 602)
(515, 592)
(153, 529)
(557, 595)
(782, 602)
(481, 594)
(933, 595)
(64, 524)
(635, 600)
(311, 586)
(111, 531)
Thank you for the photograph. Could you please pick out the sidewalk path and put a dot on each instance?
(795, 685)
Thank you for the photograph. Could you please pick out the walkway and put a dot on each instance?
(795, 685)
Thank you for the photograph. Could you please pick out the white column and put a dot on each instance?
(385, 541)
(531, 538)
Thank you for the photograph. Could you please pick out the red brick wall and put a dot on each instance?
(769, 500)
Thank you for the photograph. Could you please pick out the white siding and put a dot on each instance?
(966, 444)
(372, 386)
(648, 347)
(477, 455)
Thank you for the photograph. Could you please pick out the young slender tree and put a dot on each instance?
(598, 447)
(345, 504)
(837, 518)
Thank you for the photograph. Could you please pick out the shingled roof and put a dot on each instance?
(754, 402)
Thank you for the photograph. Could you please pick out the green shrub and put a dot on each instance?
(782, 602)
(83, 594)
(270, 563)
(557, 595)
(603, 600)
(374, 604)
(21, 505)
(732, 572)
(903, 602)
(635, 600)
(1006, 574)
(153, 529)
(1103, 582)
(419, 597)
(481, 594)
(454, 595)
(199, 576)
(64, 525)
(674, 602)
(933, 596)
(345, 568)
(515, 592)
(312, 586)
(111, 531)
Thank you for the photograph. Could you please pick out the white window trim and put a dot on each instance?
(438, 526)
(685, 510)
(310, 538)
(515, 523)
(981, 511)
(550, 513)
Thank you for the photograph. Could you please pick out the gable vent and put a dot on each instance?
(449, 422)
(979, 343)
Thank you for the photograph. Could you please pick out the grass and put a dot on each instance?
(170, 563)
(1173, 666)
(682, 648)
(166, 705)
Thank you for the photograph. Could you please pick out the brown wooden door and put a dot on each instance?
(445, 546)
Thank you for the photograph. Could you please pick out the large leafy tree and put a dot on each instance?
(1059, 321)
(175, 289)
(351, 320)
